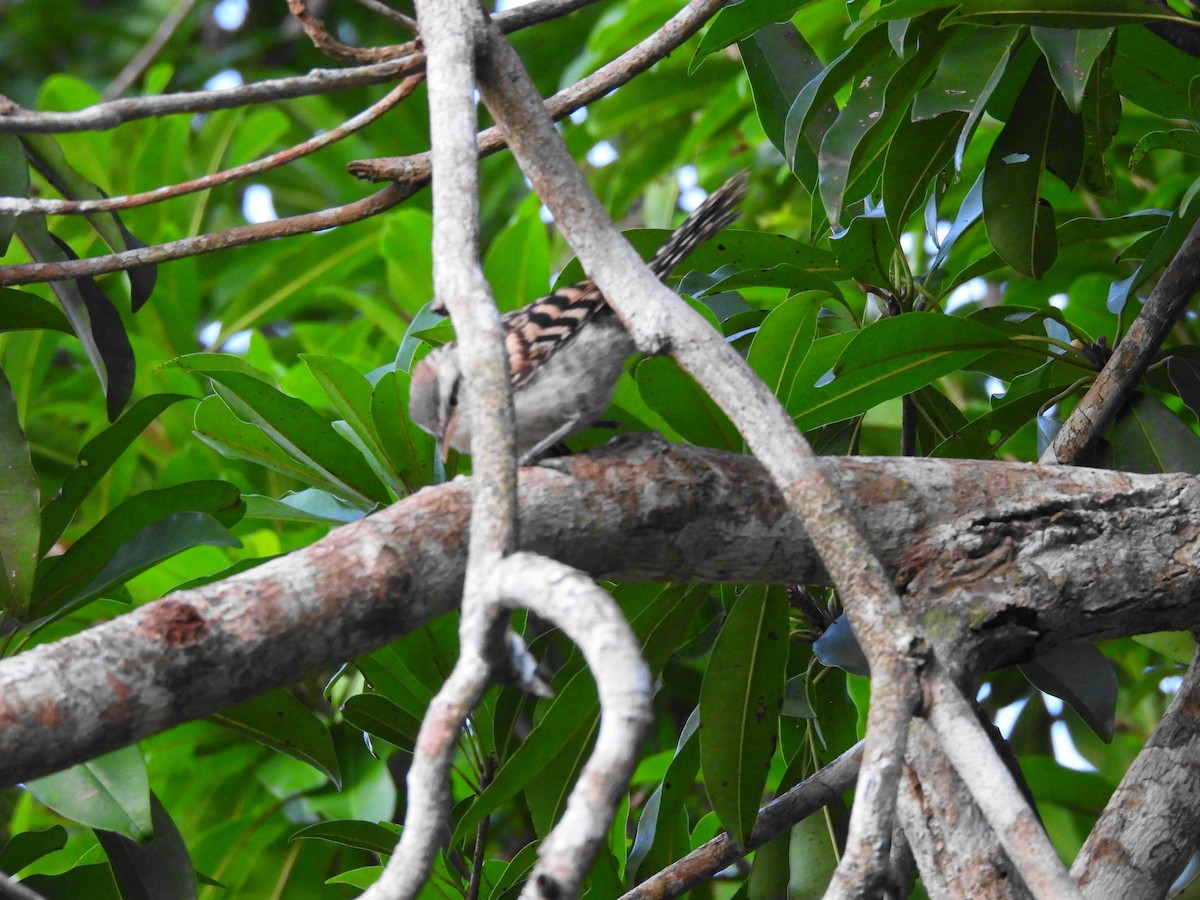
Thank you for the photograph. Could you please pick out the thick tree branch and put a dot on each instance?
(660, 321)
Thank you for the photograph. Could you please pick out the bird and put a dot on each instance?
(565, 351)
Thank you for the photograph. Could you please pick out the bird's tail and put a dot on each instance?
(716, 212)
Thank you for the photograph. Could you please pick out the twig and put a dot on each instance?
(323, 41)
(798, 803)
(392, 15)
(135, 67)
(1131, 357)
(659, 321)
(19, 206)
(624, 68)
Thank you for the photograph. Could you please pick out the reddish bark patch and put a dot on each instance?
(48, 715)
(175, 623)
(120, 710)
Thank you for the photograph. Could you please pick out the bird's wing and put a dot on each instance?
(534, 333)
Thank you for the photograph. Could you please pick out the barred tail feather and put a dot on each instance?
(714, 214)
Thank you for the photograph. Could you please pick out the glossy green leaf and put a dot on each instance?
(1070, 54)
(1058, 13)
(1101, 114)
(1180, 140)
(889, 358)
(1041, 134)
(1083, 677)
(370, 836)
(812, 856)
(1177, 646)
(110, 792)
(918, 153)
(94, 319)
(779, 62)
(405, 246)
(26, 847)
(864, 251)
(94, 461)
(1153, 74)
(1148, 437)
(1085, 792)
(936, 416)
(84, 882)
(302, 433)
(310, 505)
(280, 721)
(782, 342)
(655, 837)
(412, 452)
(740, 701)
(155, 869)
(143, 530)
(734, 23)
(19, 518)
(20, 310)
(672, 393)
(377, 715)
(982, 437)
(517, 264)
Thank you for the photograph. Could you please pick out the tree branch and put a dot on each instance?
(327, 44)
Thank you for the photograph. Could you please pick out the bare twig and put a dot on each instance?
(19, 206)
(1131, 357)
(327, 44)
(993, 789)
(660, 321)
(141, 60)
(392, 15)
(796, 804)
(624, 68)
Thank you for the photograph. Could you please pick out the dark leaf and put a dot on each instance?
(110, 792)
(20, 311)
(280, 721)
(19, 519)
(14, 182)
(1070, 53)
(1083, 677)
(155, 869)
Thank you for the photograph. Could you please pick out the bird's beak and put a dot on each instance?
(447, 437)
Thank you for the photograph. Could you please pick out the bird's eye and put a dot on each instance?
(453, 402)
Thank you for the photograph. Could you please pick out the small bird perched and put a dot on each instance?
(565, 351)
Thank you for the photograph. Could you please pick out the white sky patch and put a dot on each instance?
(1054, 705)
(994, 386)
(579, 116)
(602, 154)
(208, 334)
(907, 243)
(1170, 684)
(545, 215)
(226, 78)
(502, 5)
(1059, 301)
(691, 198)
(687, 177)
(975, 289)
(932, 246)
(1065, 751)
(258, 205)
(985, 691)
(1006, 717)
(230, 14)
(238, 343)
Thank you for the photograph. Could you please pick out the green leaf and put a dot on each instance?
(1083, 677)
(779, 62)
(657, 827)
(1185, 376)
(782, 342)
(1151, 73)
(370, 836)
(1041, 134)
(864, 251)
(917, 154)
(1148, 437)
(19, 519)
(1059, 13)
(1070, 54)
(411, 451)
(26, 847)
(300, 432)
(889, 358)
(14, 182)
(21, 311)
(672, 393)
(94, 461)
(154, 869)
(740, 700)
(94, 319)
(84, 882)
(310, 505)
(1051, 782)
(812, 856)
(405, 243)
(517, 265)
(110, 792)
(1177, 646)
(377, 715)
(280, 721)
(1180, 140)
(737, 22)
(143, 530)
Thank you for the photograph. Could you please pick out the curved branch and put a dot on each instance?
(327, 44)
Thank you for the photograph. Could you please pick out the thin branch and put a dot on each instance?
(603, 81)
(19, 206)
(1131, 357)
(993, 789)
(141, 60)
(327, 44)
(394, 16)
(381, 200)
(660, 321)
(812, 794)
